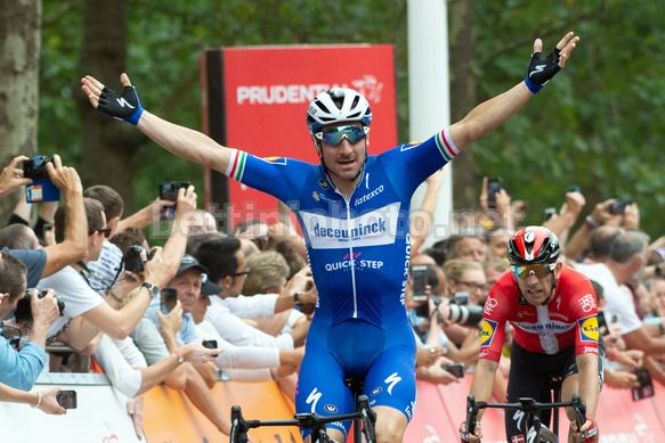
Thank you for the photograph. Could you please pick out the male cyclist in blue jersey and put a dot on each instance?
(354, 210)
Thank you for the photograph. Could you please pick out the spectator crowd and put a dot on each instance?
(81, 289)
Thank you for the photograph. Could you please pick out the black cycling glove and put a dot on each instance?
(541, 70)
(125, 107)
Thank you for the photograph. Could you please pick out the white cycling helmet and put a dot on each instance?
(338, 105)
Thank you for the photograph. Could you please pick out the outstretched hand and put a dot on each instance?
(125, 106)
(542, 69)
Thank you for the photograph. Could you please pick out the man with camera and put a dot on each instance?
(20, 366)
(86, 313)
(139, 262)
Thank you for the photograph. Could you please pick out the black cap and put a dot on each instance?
(189, 262)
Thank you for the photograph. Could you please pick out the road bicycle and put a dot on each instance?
(364, 419)
(536, 431)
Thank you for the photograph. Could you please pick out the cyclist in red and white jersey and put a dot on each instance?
(552, 309)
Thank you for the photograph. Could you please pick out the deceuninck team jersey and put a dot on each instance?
(568, 319)
(359, 252)
(358, 248)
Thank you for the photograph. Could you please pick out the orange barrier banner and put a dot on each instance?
(169, 416)
(441, 409)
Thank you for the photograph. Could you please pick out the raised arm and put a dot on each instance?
(183, 142)
(75, 243)
(494, 112)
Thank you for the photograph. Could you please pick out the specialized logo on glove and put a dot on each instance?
(542, 69)
(125, 107)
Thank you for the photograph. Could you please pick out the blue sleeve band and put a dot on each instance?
(533, 87)
(134, 118)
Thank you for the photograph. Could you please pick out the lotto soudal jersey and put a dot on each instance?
(568, 319)
(358, 247)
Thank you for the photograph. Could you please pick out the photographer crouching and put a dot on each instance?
(22, 354)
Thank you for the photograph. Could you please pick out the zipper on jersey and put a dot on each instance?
(347, 202)
(548, 339)
(351, 257)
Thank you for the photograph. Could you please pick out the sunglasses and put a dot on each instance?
(245, 272)
(334, 136)
(106, 232)
(540, 270)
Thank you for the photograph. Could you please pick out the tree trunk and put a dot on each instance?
(19, 89)
(466, 178)
(108, 146)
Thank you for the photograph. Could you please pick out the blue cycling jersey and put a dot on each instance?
(359, 254)
(358, 247)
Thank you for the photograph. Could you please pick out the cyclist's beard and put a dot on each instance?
(330, 171)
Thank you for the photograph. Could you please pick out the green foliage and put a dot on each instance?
(598, 124)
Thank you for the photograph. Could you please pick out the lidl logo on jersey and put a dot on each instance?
(487, 330)
(374, 228)
(588, 328)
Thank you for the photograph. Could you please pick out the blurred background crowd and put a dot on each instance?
(83, 289)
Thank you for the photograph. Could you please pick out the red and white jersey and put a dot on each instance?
(568, 319)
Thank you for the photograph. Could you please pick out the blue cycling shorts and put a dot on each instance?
(384, 359)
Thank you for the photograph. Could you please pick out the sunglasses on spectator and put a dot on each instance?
(106, 232)
(241, 273)
(540, 270)
(334, 136)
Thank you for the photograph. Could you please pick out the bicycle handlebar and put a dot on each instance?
(240, 426)
(525, 404)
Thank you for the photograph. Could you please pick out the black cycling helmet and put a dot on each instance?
(533, 244)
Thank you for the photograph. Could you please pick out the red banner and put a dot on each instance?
(268, 89)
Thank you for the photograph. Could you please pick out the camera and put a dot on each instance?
(619, 206)
(66, 399)
(209, 344)
(574, 188)
(603, 325)
(169, 190)
(419, 279)
(133, 260)
(35, 167)
(469, 315)
(457, 369)
(494, 185)
(41, 189)
(168, 299)
(23, 313)
(461, 298)
(645, 388)
(422, 275)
